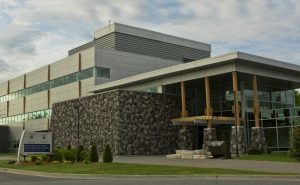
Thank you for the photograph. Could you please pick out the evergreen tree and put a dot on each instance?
(107, 155)
(94, 154)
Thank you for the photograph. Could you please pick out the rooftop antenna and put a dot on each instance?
(109, 25)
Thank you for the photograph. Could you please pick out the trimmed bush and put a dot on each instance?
(294, 151)
(33, 158)
(58, 154)
(45, 157)
(107, 155)
(80, 154)
(94, 156)
(10, 162)
(56, 162)
(38, 162)
(70, 155)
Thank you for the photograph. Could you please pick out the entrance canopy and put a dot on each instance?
(202, 120)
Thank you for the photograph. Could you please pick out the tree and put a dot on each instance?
(297, 98)
(94, 154)
(295, 143)
(107, 155)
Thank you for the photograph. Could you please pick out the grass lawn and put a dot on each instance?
(129, 169)
(8, 154)
(275, 156)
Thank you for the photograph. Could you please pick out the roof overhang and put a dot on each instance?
(236, 61)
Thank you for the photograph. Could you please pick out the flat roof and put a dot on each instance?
(197, 65)
(140, 32)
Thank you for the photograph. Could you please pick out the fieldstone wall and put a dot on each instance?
(209, 135)
(258, 140)
(239, 138)
(185, 140)
(132, 123)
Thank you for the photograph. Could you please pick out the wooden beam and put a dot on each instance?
(255, 102)
(207, 100)
(183, 101)
(236, 102)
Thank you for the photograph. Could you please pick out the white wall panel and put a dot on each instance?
(88, 58)
(16, 84)
(37, 101)
(36, 125)
(16, 106)
(86, 85)
(64, 67)
(3, 88)
(63, 93)
(37, 76)
(3, 109)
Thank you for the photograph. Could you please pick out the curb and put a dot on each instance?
(104, 176)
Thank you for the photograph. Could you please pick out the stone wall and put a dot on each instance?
(132, 123)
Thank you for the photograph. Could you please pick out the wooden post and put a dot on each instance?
(255, 102)
(183, 101)
(207, 97)
(236, 103)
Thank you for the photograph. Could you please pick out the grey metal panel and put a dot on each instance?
(107, 41)
(81, 48)
(156, 48)
(139, 45)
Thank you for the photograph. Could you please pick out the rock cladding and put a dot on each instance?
(132, 123)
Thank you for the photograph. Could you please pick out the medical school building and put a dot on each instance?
(144, 92)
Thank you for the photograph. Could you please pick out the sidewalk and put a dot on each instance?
(267, 166)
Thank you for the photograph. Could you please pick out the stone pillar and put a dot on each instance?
(209, 135)
(240, 137)
(185, 140)
(258, 140)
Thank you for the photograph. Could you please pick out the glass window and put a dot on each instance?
(283, 137)
(271, 137)
(103, 72)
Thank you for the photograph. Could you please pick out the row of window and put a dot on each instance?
(80, 75)
(27, 116)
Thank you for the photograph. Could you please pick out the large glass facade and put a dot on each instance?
(276, 100)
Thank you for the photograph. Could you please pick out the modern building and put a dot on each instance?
(166, 109)
(116, 51)
(144, 92)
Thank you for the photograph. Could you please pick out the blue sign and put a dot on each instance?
(36, 148)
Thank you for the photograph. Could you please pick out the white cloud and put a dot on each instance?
(34, 33)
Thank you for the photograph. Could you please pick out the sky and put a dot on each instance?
(34, 33)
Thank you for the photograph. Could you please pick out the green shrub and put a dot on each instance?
(45, 157)
(94, 156)
(68, 162)
(107, 155)
(56, 162)
(58, 154)
(80, 154)
(255, 151)
(33, 158)
(294, 151)
(38, 162)
(10, 162)
(86, 161)
(70, 155)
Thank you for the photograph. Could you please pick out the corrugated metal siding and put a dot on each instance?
(81, 48)
(155, 48)
(134, 44)
(107, 41)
